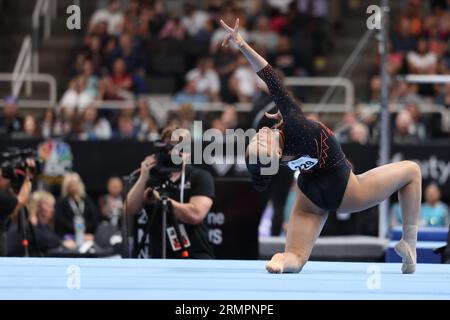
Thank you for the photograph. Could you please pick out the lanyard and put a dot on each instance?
(78, 209)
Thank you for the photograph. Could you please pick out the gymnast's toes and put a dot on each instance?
(274, 267)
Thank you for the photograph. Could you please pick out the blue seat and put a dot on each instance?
(425, 252)
(425, 234)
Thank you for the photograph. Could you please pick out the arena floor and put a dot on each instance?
(209, 280)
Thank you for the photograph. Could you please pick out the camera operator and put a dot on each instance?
(198, 199)
(11, 203)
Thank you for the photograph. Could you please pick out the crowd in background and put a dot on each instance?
(419, 44)
(139, 46)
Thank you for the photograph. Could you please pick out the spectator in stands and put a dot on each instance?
(41, 218)
(395, 61)
(444, 97)
(194, 21)
(405, 128)
(342, 128)
(189, 94)
(437, 18)
(121, 78)
(186, 115)
(130, 53)
(75, 202)
(30, 129)
(78, 95)
(112, 15)
(263, 36)
(172, 29)
(419, 122)
(403, 40)
(145, 122)
(109, 91)
(413, 13)
(422, 60)
(10, 121)
(436, 43)
(90, 78)
(318, 24)
(206, 79)
(229, 117)
(244, 83)
(374, 90)
(159, 16)
(93, 127)
(217, 124)
(433, 212)
(173, 120)
(285, 59)
(111, 204)
(404, 92)
(131, 23)
(359, 133)
(51, 126)
(125, 127)
(93, 52)
(225, 62)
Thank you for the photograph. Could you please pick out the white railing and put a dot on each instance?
(428, 78)
(425, 108)
(47, 10)
(349, 97)
(32, 77)
(22, 69)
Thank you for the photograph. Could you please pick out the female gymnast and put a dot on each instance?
(326, 182)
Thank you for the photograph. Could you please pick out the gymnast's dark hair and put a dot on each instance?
(260, 182)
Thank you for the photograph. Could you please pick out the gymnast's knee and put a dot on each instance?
(413, 170)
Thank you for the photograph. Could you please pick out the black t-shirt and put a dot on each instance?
(148, 235)
(8, 203)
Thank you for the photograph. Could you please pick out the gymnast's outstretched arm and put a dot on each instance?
(280, 95)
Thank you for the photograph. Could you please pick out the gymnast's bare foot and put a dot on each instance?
(409, 256)
(284, 263)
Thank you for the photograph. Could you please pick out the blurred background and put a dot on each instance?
(92, 99)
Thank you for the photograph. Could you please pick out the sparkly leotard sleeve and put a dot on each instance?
(311, 145)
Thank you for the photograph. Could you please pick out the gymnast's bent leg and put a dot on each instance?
(305, 224)
(372, 187)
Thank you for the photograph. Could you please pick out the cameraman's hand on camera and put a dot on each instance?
(148, 164)
(30, 165)
(139, 193)
(25, 189)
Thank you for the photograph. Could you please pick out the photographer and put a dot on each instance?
(11, 203)
(144, 201)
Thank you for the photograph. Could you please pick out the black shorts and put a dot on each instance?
(326, 189)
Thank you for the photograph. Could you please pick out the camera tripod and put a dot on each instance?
(167, 213)
(26, 229)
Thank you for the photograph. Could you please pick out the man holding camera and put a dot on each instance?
(11, 203)
(145, 201)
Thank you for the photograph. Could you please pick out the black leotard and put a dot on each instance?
(313, 148)
(303, 137)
